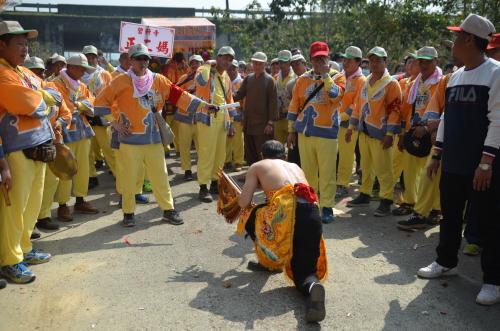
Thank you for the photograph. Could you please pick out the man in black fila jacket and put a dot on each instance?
(468, 140)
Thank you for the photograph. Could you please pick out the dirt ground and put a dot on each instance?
(157, 276)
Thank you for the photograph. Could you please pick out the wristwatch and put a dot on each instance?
(484, 166)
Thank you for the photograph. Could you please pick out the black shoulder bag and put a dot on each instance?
(293, 154)
(419, 147)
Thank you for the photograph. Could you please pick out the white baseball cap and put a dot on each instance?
(89, 49)
(476, 25)
(196, 57)
(426, 53)
(138, 50)
(57, 58)
(34, 63)
(378, 51)
(259, 57)
(226, 50)
(284, 56)
(81, 61)
(13, 27)
(298, 57)
(353, 52)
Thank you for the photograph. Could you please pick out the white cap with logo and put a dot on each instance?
(476, 25)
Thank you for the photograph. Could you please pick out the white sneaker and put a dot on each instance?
(489, 295)
(435, 270)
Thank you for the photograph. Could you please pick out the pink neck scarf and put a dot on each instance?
(433, 79)
(357, 73)
(72, 83)
(142, 84)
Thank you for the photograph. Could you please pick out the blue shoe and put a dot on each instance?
(327, 215)
(36, 256)
(141, 198)
(18, 273)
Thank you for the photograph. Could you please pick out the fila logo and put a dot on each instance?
(462, 94)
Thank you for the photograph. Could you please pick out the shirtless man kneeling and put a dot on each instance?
(286, 230)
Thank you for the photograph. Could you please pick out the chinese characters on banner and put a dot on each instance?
(160, 41)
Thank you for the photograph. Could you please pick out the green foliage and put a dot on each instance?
(399, 26)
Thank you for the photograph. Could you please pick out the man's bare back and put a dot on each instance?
(270, 175)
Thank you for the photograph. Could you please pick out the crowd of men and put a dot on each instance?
(433, 135)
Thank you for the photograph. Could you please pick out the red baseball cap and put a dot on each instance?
(319, 48)
(495, 42)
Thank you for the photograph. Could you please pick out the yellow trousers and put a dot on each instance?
(346, 157)
(376, 161)
(187, 134)
(428, 197)
(80, 181)
(235, 149)
(136, 158)
(398, 158)
(174, 125)
(412, 173)
(49, 190)
(103, 141)
(17, 221)
(119, 173)
(318, 157)
(281, 130)
(211, 149)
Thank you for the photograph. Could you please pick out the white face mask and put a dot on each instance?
(365, 71)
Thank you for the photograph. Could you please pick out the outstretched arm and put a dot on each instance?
(251, 184)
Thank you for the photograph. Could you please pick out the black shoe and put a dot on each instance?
(128, 220)
(47, 224)
(315, 305)
(403, 210)
(35, 234)
(93, 182)
(213, 187)
(384, 208)
(172, 217)
(415, 222)
(433, 218)
(99, 164)
(256, 266)
(188, 175)
(361, 200)
(204, 195)
(3, 284)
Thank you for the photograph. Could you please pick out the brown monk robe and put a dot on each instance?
(261, 110)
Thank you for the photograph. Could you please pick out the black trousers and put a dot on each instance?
(456, 190)
(253, 145)
(307, 234)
